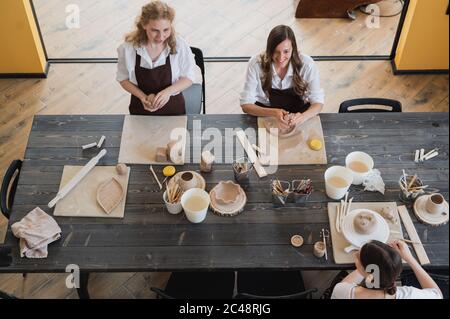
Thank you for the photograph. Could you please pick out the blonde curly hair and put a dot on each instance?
(155, 10)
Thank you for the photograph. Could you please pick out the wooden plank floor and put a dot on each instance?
(219, 27)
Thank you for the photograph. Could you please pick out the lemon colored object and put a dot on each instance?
(169, 171)
(315, 145)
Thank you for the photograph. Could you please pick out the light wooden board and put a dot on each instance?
(142, 135)
(294, 150)
(413, 236)
(82, 200)
(338, 240)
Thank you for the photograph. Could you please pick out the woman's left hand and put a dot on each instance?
(161, 99)
(298, 119)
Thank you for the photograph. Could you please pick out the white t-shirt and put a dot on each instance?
(253, 91)
(345, 290)
(182, 63)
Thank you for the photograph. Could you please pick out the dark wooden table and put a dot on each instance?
(150, 239)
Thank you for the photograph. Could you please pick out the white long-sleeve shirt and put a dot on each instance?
(345, 290)
(253, 91)
(182, 63)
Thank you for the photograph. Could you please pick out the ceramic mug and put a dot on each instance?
(172, 208)
(187, 181)
(337, 181)
(360, 164)
(195, 203)
(435, 204)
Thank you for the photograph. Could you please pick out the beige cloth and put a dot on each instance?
(36, 230)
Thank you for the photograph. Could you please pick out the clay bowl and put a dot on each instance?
(271, 124)
(227, 192)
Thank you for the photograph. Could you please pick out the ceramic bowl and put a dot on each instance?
(227, 192)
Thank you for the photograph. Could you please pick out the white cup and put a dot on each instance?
(341, 173)
(365, 159)
(195, 214)
(172, 208)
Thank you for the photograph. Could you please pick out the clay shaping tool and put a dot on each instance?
(77, 178)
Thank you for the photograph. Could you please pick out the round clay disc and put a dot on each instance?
(297, 241)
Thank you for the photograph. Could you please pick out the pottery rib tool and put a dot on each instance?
(156, 177)
(251, 153)
(77, 178)
(109, 195)
(412, 232)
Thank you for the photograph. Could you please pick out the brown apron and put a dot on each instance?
(153, 81)
(287, 100)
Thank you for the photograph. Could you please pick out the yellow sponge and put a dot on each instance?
(315, 145)
(169, 171)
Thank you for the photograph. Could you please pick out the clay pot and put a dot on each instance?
(175, 152)
(187, 181)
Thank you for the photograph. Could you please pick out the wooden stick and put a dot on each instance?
(338, 218)
(251, 153)
(412, 232)
(156, 177)
(412, 181)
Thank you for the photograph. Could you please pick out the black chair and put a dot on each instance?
(272, 285)
(441, 277)
(349, 106)
(9, 182)
(199, 60)
(198, 285)
(4, 295)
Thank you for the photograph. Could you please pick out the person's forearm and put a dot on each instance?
(256, 110)
(422, 276)
(133, 89)
(313, 110)
(179, 86)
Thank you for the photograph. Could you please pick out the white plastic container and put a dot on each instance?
(360, 164)
(195, 204)
(174, 208)
(337, 181)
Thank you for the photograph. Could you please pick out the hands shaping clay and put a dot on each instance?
(365, 223)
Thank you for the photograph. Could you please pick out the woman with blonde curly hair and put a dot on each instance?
(282, 81)
(154, 64)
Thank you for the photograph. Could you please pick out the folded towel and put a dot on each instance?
(36, 230)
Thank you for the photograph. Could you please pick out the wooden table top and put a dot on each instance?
(150, 239)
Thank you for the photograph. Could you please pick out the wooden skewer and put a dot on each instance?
(411, 183)
(156, 177)
(410, 241)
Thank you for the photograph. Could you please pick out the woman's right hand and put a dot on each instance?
(279, 114)
(402, 248)
(147, 102)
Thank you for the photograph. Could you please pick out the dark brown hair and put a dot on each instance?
(155, 10)
(387, 259)
(277, 35)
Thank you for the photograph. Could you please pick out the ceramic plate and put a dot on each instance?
(381, 233)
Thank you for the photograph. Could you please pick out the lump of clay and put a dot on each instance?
(365, 223)
(388, 214)
(161, 155)
(121, 169)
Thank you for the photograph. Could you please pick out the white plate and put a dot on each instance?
(381, 233)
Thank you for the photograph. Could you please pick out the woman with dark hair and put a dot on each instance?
(282, 81)
(378, 267)
(154, 64)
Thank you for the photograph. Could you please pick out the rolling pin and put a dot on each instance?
(77, 178)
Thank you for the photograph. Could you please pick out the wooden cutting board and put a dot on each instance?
(142, 135)
(82, 200)
(338, 240)
(294, 149)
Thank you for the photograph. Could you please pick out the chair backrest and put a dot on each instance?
(9, 182)
(193, 99)
(199, 60)
(307, 294)
(390, 105)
